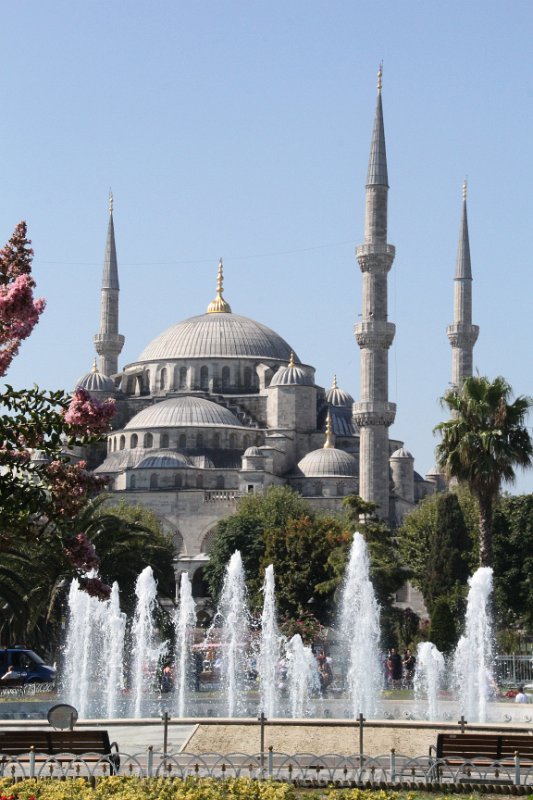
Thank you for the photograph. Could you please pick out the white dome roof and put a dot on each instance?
(328, 462)
(181, 412)
(252, 452)
(338, 397)
(164, 459)
(291, 375)
(96, 382)
(217, 336)
(402, 453)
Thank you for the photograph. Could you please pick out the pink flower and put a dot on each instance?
(95, 588)
(88, 414)
(81, 552)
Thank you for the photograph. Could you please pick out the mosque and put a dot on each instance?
(219, 405)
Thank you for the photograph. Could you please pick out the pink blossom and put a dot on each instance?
(88, 414)
(81, 552)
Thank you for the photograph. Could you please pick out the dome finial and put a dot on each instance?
(291, 360)
(334, 384)
(110, 203)
(219, 305)
(380, 76)
(465, 188)
(95, 367)
(328, 444)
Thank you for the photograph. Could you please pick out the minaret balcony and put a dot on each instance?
(375, 257)
(462, 334)
(374, 412)
(375, 334)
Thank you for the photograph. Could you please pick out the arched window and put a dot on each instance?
(183, 378)
(164, 440)
(148, 440)
(199, 440)
(225, 377)
(199, 481)
(133, 482)
(163, 379)
(232, 441)
(134, 441)
(247, 378)
(204, 378)
(220, 482)
(207, 542)
(122, 444)
(216, 440)
(245, 441)
(182, 441)
(340, 489)
(177, 481)
(199, 586)
(115, 444)
(154, 481)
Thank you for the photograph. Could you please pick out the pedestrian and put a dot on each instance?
(167, 681)
(394, 668)
(521, 696)
(409, 663)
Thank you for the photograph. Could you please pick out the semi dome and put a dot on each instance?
(401, 452)
(217, 335)
(181, 412)
(338, 397)
(96, 381)
(328, 462)
(291, 375)
(164, 459)
(252, 452)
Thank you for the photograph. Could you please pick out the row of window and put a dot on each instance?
(189, 378)
(177, 481)
(192, 440)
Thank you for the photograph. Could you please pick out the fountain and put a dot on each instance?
(269, 649)
(286, 682)
(428, 679)
(472, 662)
(184, 625)
(360, 633)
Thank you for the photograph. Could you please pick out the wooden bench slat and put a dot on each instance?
(91, 744)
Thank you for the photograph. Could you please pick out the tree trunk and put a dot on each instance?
(485, 531)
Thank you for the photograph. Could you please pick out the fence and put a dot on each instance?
(391, 769)
(514, 670)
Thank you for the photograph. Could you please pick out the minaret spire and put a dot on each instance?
(374, 334)
(108, 341)
(462, 334)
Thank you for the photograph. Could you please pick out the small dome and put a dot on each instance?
(252, 452)
(328, 462)
(342, 422)
(181, 412)
(338, 397)
(402, 453)
(96, 381)
(291, 375)
(434, 471)
(164, 459)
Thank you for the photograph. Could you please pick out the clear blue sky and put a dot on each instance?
(242, 129)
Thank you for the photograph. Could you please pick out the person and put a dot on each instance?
(409, 662)
(394, 667)
(11, 675)
(166, 679)
(521, 696)
(325, 674)
(198, 669)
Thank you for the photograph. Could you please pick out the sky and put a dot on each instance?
(242, 130)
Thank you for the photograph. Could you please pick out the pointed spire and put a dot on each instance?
(334, 384)
(329, 444)
(377, 165)
(219, 305)
(110, 273)
(463, 266)
(95, 367)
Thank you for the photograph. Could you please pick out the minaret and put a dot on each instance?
(108, 341)
(374, 334)
(462, 334)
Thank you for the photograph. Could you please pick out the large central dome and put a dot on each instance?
(217, 336)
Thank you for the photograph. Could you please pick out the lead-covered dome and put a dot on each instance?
(96, 381)
(164, 459)
(291, 375)
(328, 462)
(338, 397)
(181, 412)
(217, 335)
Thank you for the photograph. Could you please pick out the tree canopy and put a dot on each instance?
(483, 443)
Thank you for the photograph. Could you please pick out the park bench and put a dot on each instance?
(89, 745)
(480, 749)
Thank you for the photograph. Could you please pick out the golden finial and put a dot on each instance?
(380, 76)
(110, 202)
(219, 305)
(95, 368)
(334, 384)
(328, 444)
(465, 188)
(291, 360)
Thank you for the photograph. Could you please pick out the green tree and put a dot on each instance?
(513, 561)
(483, 443)
(245, 531)
(443, 631)
(435, 542)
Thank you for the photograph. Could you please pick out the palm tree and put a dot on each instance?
(482, 443)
